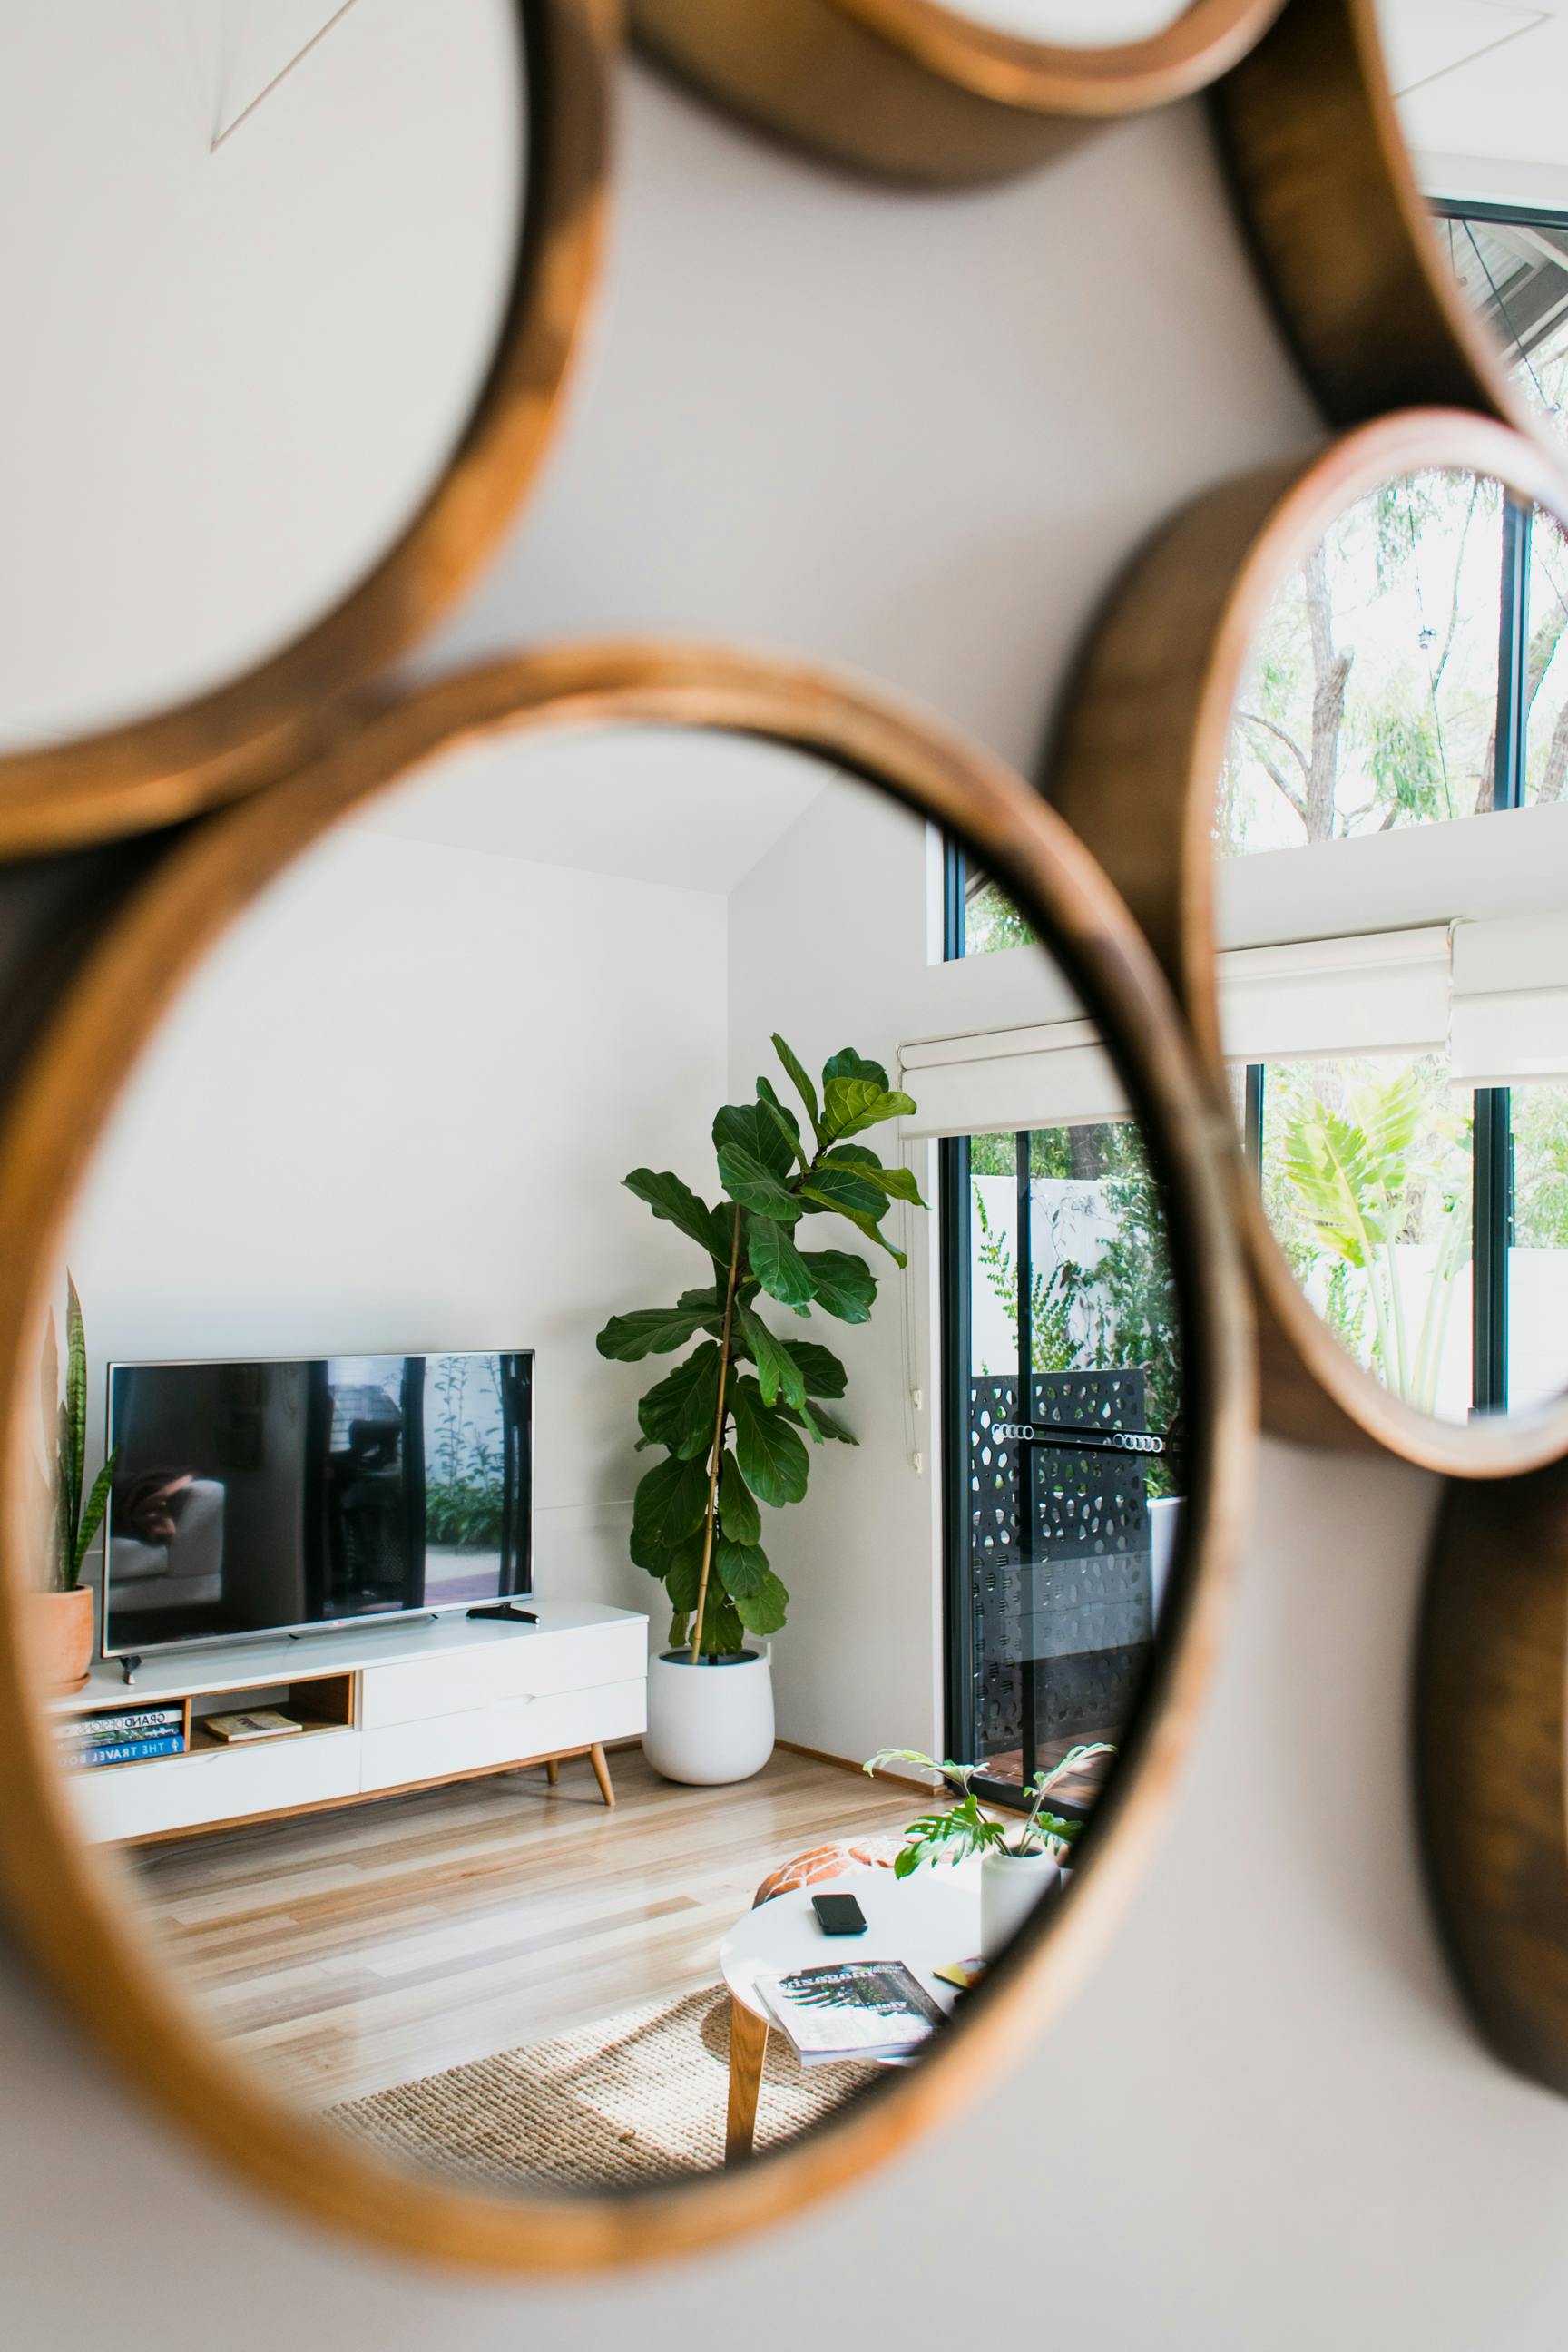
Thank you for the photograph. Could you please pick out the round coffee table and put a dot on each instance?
(927, 1920)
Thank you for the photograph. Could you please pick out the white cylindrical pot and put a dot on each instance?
(710, 1722)
(1010, 1887)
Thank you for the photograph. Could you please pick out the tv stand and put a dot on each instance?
(379, 1710)
(502, 1612)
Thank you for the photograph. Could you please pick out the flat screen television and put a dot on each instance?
(274, 1496)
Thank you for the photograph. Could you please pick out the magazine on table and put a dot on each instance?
(860, 2008)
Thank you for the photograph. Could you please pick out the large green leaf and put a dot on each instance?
(778, 1264)
(675, 1202)
(777, 1371)
(678, 1411)
(650, 1331)
(763, 1612)
(899, 1183)
(755, 1159)
(724, 1635)
(788, 1125)
(820, 1368)
(668, 1504)
(738, 1513)
(92, 1516)
(75, 1427)
(847, 1063)
(795, 1071)
(851, 1104)
(844, 1286)
(741, 1568)
(682, 1572)
(845, 1188)
(773, 1462)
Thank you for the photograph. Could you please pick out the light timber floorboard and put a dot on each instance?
(348, 1951)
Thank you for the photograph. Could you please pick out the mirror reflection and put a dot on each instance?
(1075, 23)
(1395, 1002)
(1477, 90)
(593, 1315)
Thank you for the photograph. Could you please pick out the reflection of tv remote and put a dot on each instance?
(1067, 1440)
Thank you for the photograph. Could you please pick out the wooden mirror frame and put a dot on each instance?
(1491, 1760)
(911, 90)
(1135, 770)
(1341, 233)
(155, 770)
(65, 1901)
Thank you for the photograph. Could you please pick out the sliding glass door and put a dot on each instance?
(1062, 1405)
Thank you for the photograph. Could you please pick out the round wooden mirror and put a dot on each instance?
(286, 346)
(941, 94)
(1317, 734)
(1403, 175)
(386, 1902)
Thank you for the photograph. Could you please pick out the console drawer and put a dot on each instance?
(181, 1793)
(512, 1730)
(524, 1665)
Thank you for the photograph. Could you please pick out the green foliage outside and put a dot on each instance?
(463, 1497)
(1117, 1310)
(1360, 1162)
(1541, 1167)
(728, 1419)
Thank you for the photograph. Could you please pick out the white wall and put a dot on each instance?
(918, 433)
(324, 1154)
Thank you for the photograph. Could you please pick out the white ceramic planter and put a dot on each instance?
(1010, 1887)
(709, 1723)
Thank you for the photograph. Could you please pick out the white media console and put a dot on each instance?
(383, 1708)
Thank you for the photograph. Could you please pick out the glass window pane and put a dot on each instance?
(1367, 1183)
(1516, 275)
(1546, 680)
(991, 921)
(1370, 700)
(1537, 1257)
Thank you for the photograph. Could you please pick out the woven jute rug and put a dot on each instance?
(629, 2099)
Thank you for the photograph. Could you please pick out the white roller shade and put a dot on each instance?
(1056, 1074)
(1509, 1019)
(1379, 993)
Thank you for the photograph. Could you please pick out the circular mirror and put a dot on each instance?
(1321, 732)
(587, 1310)
(971, 90)
(1403, 175)
(271, 409)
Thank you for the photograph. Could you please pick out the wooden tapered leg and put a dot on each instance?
(552, 1771)
(602, 1773)
(747, 2046)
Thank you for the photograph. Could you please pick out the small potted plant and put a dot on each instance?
(62, 1615)
(1022, 1858)
(733, 1417)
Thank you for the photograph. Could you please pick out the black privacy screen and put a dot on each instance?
(250, 1497)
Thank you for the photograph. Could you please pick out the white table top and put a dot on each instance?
(927, 1920)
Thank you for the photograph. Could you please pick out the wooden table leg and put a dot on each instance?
(602, 1773)
(552, 1769)
(747, 2045)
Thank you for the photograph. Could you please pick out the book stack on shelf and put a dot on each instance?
(137, 1733)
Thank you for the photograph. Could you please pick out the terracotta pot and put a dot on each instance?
(61, 1636)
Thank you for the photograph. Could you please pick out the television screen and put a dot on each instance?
(273, 1496)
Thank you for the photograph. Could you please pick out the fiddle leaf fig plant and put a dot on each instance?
(963, 1829)
(733, 1417)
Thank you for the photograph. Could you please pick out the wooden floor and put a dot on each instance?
(347, 1951)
